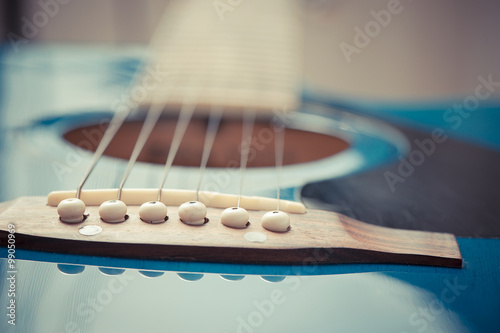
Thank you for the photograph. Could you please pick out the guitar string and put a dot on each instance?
(147, 128)
(120, 115)
(152, 116)
(246, 142)
(279, 147)
(185, 115)
(212, 127)
(113, 127)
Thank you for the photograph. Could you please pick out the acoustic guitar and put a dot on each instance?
(326, 271)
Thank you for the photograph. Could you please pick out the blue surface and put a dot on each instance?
(470, 248)
(481, 127)
(471, 292)
(474, 293)
(476, 299)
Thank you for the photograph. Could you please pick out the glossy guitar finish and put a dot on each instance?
(377, 298)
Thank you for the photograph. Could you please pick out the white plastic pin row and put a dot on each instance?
(192, 213)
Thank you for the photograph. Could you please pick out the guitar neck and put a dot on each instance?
(236, 57)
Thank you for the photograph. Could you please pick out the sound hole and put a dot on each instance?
(300, 146)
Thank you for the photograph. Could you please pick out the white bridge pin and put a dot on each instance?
(153, 212)
(193, 213)
(71, 210)
(277, 221)
(235, 217)
(113, 211)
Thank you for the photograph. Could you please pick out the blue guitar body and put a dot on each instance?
(51, 292)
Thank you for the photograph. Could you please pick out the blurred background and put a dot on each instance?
(429, 50)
